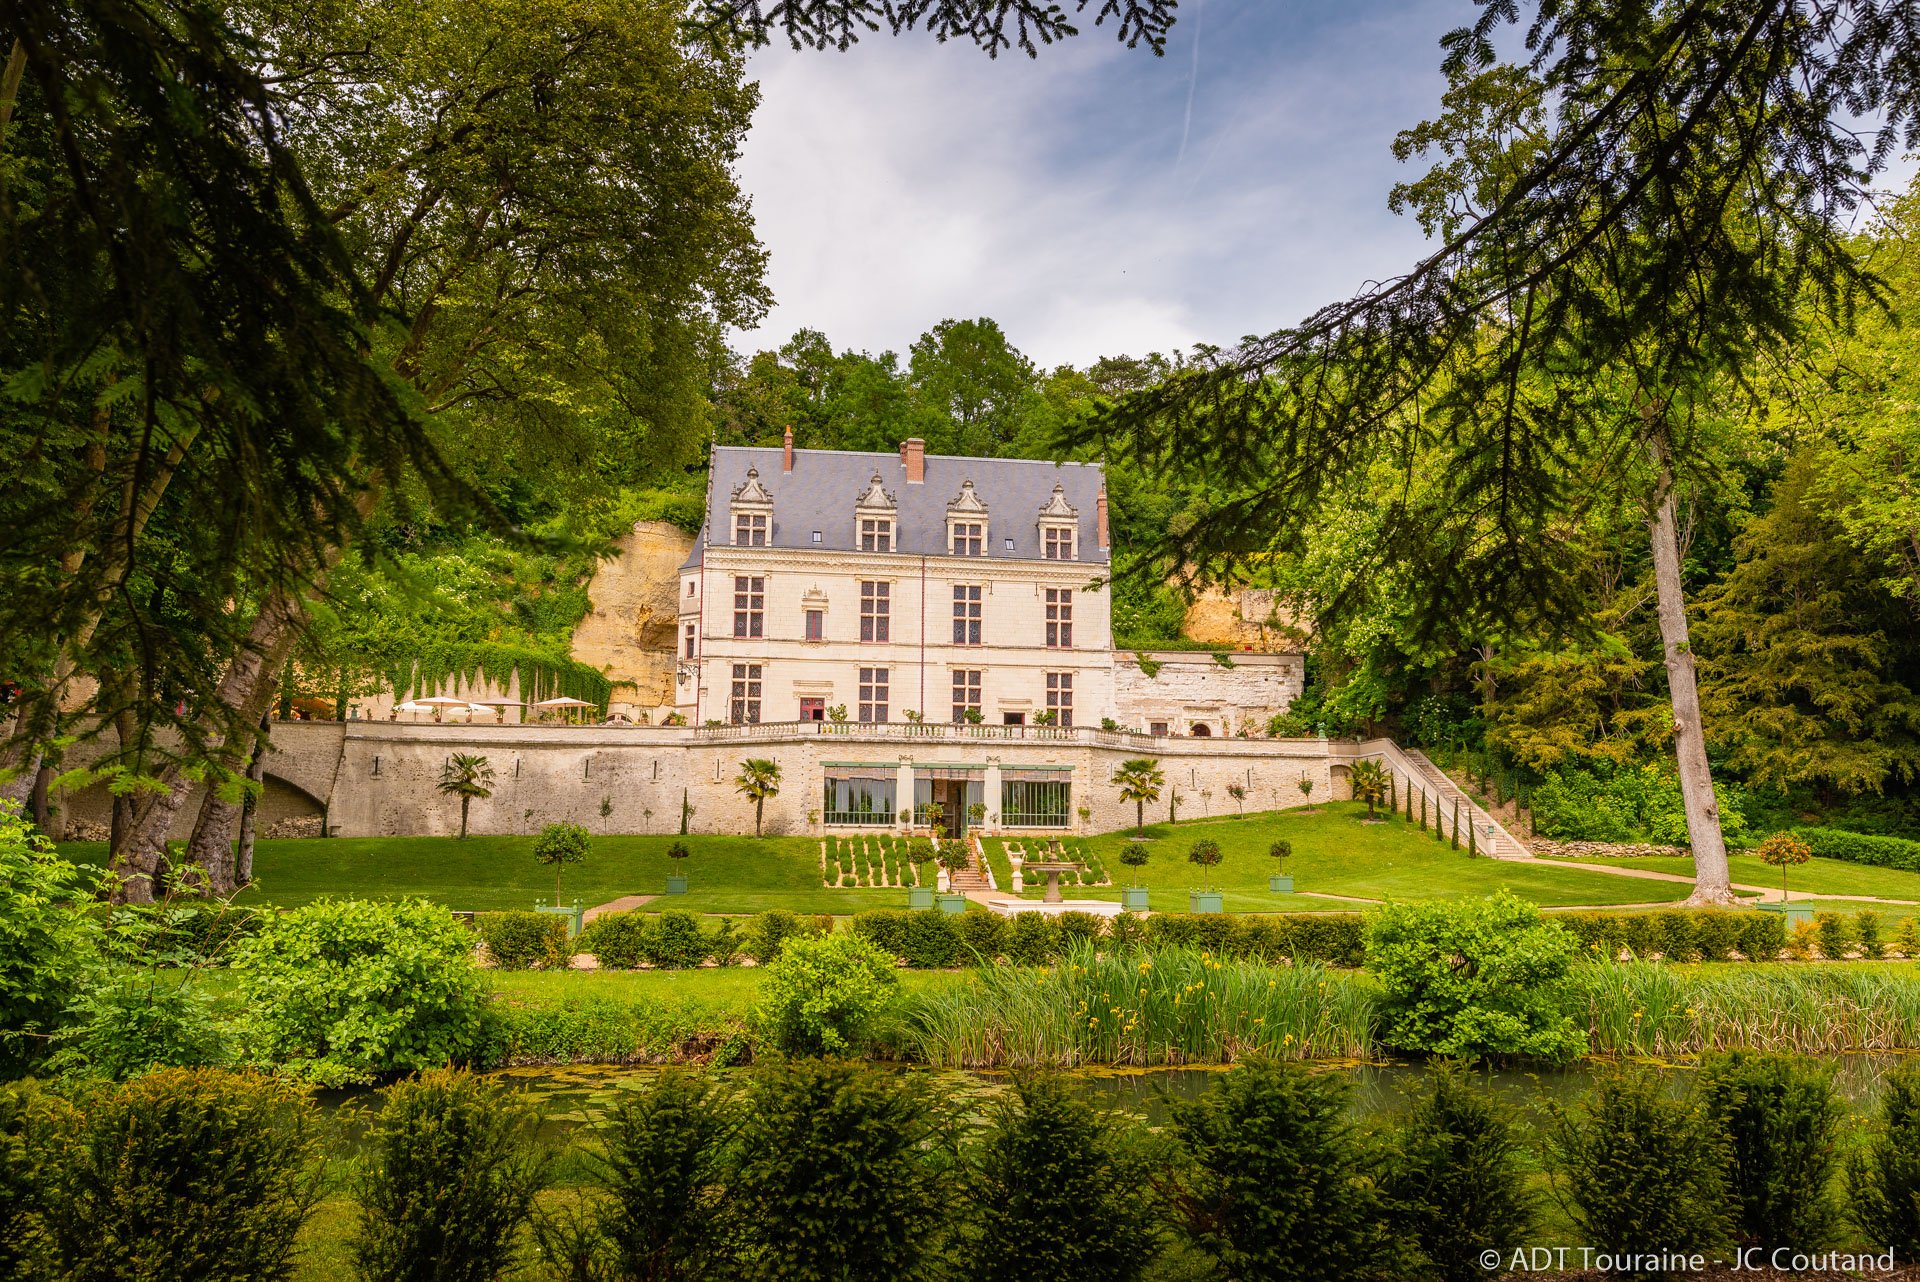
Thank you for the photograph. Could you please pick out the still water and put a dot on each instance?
(574, 1097)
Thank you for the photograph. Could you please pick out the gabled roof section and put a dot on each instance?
(750, 493)
(826, 486)
(876, 498)
(967, 502)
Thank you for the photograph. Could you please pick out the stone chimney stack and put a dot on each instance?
(913, 453)
(1100, 517)
(788, 465)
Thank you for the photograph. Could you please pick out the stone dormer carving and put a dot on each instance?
(1057, 508)
(967, 523)
(1059, 526)
(873, 514)
(876, 498)
(752, 512)
(966, 503)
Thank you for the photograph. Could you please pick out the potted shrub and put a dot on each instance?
(1280, 883)
(977, 814)
(918, 854)
(677, 881)
(1205, 854)
(953, 858)
(1135, 855)
(1783, 850)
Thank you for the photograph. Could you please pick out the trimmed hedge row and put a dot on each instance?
(1679, 934)
(1862, 848)
(933, 940)
(524, 940)
(675, 939)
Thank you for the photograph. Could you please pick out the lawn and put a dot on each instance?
(725, 874)
(1816, 876)
(1336, 852)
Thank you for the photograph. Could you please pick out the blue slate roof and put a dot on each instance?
(820, 493)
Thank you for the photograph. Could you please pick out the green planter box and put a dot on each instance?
(953, 903)
(1793, 913)
(1134, 899)
(919, 896)
(676, 884)
(1203, 901)
(1280, 883)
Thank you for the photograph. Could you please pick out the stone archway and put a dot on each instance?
(1200, 730)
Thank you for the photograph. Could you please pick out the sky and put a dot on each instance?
(1100, 200)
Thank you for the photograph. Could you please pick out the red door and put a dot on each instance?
(813, 709)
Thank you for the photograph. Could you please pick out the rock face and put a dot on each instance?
(1243, 618)
(629, 633)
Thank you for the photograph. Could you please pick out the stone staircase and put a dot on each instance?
(970, 878)
(1490, 835)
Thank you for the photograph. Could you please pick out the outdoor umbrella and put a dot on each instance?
(439, 703)
(499, 706)
(565, 702)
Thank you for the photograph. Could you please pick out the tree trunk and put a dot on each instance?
(250, 812)
(42, 816)
(247, 689)
(1139, 817)
(1712, 884)
(465, 801)
(759, 804)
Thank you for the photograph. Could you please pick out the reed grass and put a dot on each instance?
(1140, 1008)
(1647, 1009)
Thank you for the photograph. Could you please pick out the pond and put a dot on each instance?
(573, 1097)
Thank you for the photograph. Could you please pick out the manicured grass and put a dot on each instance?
(1336, 852)
(1816, 876)
(725, 874)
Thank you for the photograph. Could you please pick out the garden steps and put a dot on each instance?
(1492, 837)
(969, 879)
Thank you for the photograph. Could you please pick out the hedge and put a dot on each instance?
(524, 940)
(1862, 848)
(932, 940)
(1679, 934)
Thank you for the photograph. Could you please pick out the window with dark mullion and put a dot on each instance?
(745, 704)
(749, 606)
(966, 613)
(873, 694)
(1059, 602)
(1060, 697)
(966, 693)
(876, 611)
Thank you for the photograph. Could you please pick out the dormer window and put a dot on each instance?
(967, 523)
(752, 509)
(1059, 522)
(873, 518)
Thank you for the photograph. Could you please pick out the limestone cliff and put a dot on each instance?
(629, 632)
(1243, 618)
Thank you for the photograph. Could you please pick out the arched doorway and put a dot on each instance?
(1199, 730)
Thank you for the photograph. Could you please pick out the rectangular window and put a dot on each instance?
(749, 606)
(1060, 697)
(876, 534)
(873, 694)
(816, 625)
(690, 637)
(1059, 618)
(813, 709)
(966, 693)
(750, 529)
(1157, 728)
(966, 614)
(746, 694)
(876, 610)
(1035, 803)
(969, 538)
(1059, 543)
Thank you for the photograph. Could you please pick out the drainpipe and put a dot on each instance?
(923, 638)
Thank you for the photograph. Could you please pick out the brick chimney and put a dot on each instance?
(913, 453)
(1100, 517)
(788, 465)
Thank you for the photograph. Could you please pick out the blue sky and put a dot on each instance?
(1098, 200)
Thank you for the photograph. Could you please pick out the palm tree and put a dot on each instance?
(758, 779)
(1369, 783)
(1140, 781)
(468, 775)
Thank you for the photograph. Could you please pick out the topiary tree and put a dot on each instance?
(557, 846)
(1783, 850)
(1139, 781)
(1306, 790)
(1369, 780)
(1238, 792)
(1206, 854)
(759, 778)
(1280, 851)
(1135, 854)
(954, 857)
(467, 776)
(1475, 979)
(1634, 1165)
(1276, 1183)
(1086, 1220)
(1457, 1179)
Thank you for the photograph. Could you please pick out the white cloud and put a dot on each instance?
(904, 181)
